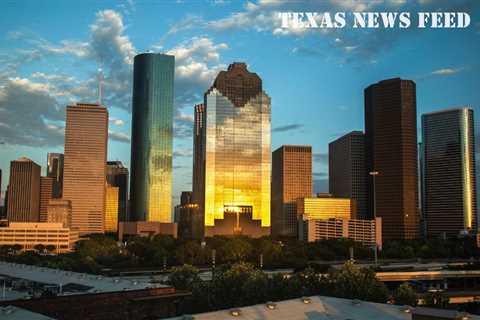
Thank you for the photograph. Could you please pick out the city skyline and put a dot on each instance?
(294, 107)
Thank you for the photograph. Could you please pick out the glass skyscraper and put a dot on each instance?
(152, 133)
(449, 187)
(236, 160)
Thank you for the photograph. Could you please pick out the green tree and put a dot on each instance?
(405, 295)
(235, 250)
(50, 248)
(40, 248)
(353, 282)
(184, 277)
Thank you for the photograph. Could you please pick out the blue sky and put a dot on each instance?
(50, 52)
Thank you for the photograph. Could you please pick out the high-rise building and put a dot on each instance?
(235, 155)
(24, 191)
(188, 218)
(60, 211)
(111, 209)
(347, 176)
(291, 180)
(86, 135)
(55, 171)
(449, 184)
(117, 176)
(46, 189)
(152, 138)
(391, 151)
(198, 175)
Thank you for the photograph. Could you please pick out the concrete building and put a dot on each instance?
(347, 174)
(326, 208)
(61, 294)
(30, 234)
(235, 166)
(60, 211)
(449, 186)
(86, 135)
(24, 191)
(111, 209)
(367, 232)
(55, 171)
(146, 229)
(291, 180)
(152, 136)
(46, 194)
(391, 151)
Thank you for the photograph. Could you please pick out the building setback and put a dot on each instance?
(86, 135)
(46, 194)
(347, 175)
(291, 180)
(235, 155)
(152, 138)
(117, 176)
(449, 186)
(391, 150)
(55, 170)
(24, 191)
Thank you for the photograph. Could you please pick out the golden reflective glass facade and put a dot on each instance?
(111, 209)
(326, 208)
(236, 148)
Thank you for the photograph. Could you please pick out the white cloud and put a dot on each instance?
(116, 122)
(446, 71)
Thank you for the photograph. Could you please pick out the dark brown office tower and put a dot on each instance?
(188, 218)
(117, 176)
(347, 177)
(84, 177)
(391, 151)
(449, 186)
(291, 180)
(24, 191)
(55, 171)
(198, 156)
(46, 194)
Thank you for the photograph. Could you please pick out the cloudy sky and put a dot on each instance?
(50, 53)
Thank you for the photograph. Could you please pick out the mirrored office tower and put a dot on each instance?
(449, 188)
(152, 130)
(236, 158)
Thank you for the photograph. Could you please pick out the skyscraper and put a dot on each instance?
(111, 209)
(198, 175)
(24, 191)
(86, 135)
(391, 150)
(117, 176)
(152, 136)
(46, 192)
(291, 180)
(235, 154)
(55, 171)
(449, 184)
(347, 176)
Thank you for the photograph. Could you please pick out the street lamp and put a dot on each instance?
(374, 174)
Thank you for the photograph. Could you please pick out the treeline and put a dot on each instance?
(104, 252)
(242, 284)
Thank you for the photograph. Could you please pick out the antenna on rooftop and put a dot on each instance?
(100, 85)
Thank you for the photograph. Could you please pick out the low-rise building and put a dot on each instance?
(367, 232)
(146, 229)
(30, 234)
(326, 207)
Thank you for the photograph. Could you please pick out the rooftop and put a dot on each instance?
(69, 282)
(323, 308)
(14, 313)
